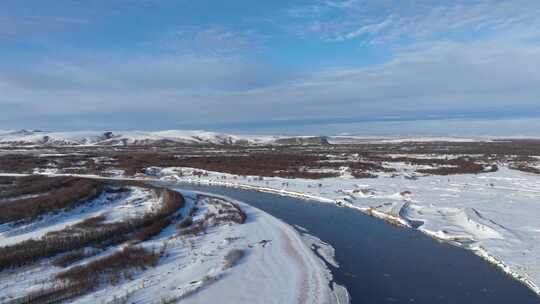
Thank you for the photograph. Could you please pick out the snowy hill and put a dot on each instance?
(110, 138)
(193, 137)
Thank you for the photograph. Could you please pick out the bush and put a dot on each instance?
(55, 194)
(362, 174)
(91, 222)
(70, 258)
(234, 214)
(525, 168)
(6, 180)
(171, 202)
(232, 257)
(89, 233)
(110, 269)
(154, 229)
(185, 222)
(57, 293)
(82, 279)
(231, 215)
(195, 229)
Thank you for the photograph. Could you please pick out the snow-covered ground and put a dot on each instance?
(494, 214)
(278, 265)
(277, 268)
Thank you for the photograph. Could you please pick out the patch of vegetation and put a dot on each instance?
(525, 168)
(362, 174)
(110, 269)
(83, 279)
(53, 194)
(462, 168)
(88, 233)
(6, 181)
(185, 222)
(228, 212)
(290, 165)
(195, 229)
(232, 257)
(152, 230)
(71, 257)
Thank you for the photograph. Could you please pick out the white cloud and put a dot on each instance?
(446, 77)
(386, 21)
(463, 56)
(214, 40)
(11, 26)
(442, 78)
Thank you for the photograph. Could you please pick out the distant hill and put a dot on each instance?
(189, 137)
(125, 138)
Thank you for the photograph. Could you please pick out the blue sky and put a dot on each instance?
(166, 64)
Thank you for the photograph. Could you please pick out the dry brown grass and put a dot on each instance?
(91, 233)
(70, 258)
(83, 279)
(54, 194)
(525, 168)
(185, 222)
(154, 229)
(110, 269)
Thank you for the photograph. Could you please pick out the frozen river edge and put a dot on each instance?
(395, 220)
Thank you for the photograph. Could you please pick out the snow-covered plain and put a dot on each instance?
(278, 265)
(493, 214)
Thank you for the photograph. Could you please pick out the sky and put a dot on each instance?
(272, 65)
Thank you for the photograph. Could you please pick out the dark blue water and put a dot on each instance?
(380, 263)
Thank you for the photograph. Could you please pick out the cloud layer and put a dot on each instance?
(390, 20)
(466, 57)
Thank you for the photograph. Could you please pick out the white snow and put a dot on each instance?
(396, 140)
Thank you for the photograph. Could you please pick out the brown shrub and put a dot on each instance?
(83, 279)
(268, 164)
(525, 168)
(171, 202)
(61, 193)
(362, 174)
(70, 258)
(87, 233)
(154, 229)
(57, 293)
(110, 269)
(369, 166)
(91, 222)
(231, 215)
(195, 229)
(21, 163)
(232, 257)
(185, 222)
(460, 167)
(6, 180)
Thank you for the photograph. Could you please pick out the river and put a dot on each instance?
(380, 263)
